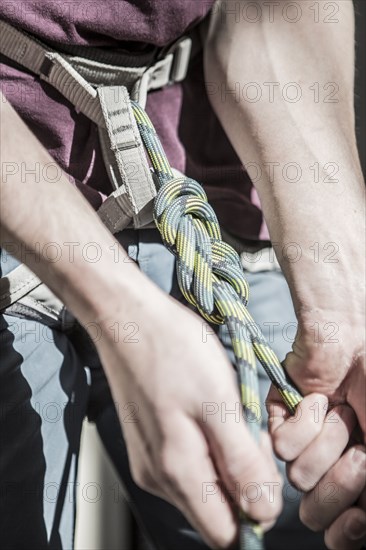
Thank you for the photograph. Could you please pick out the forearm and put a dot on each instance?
(163, 378)
(302, 203)
(93, 280)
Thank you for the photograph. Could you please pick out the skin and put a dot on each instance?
(172, 451)
(322, 463)
(326, 295)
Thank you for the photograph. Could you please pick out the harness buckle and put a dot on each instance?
(170, 69)
(181, 51)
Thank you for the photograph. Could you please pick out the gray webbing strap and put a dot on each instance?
(99, 90)
(17, 284)
(51, 67)
(123, 151)
(21, 289)
(128, 157)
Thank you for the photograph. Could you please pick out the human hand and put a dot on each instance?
(321, 460)
(328, 357)
(176, 451)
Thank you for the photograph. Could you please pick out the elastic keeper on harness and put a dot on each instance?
(116, 212)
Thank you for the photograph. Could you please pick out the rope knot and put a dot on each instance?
(190, 229)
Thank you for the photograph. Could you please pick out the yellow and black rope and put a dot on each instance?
(210, 276)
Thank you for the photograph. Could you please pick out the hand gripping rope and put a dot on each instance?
(210, 276)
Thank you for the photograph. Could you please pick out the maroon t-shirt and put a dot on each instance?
(191, 134)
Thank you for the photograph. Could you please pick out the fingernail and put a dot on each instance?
(355, 529)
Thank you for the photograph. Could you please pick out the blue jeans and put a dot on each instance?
(51, 378)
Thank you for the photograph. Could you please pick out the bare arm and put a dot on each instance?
(290, 117)
(304, 212)
(169, 374)
(36, 213)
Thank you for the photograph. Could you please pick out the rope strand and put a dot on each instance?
(211, 278)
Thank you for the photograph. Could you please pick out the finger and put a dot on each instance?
(249, 474)
(322, 453)
(292, 434)
(183, 474)
(139, 458)
(276, 408)
(347, 531)
(362, 500)
(191, 483)
(356, 395)
(336, 492)
(266, 446)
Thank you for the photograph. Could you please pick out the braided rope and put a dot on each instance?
(211, 278)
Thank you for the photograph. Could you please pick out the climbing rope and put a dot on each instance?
(211, 278)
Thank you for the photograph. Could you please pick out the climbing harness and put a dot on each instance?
(95, 82)
(209, 271)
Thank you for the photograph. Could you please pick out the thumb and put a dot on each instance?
(248, 472)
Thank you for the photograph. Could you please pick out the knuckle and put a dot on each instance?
(142, 478)
(340, 482)
(235, 467)
(220, 391)
(281, 447)
(168, 470)
(354, 464)
(267, 512)
(221, 534)
(221, 541)
(240, 467)
(299, 477)
(134, 472)
(358, 459)
(308, 518)
(271, 510)
(330, 542)
(267, 502)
